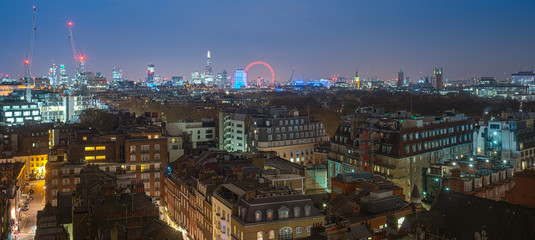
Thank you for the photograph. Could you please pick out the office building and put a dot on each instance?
(274, 216)
(53, 74)
(209, 64)
(177, 81)
(138, 154)
(117, 74)
(401, 77)
(240, 79)
(398, 144)
(291, 136)
(523, 78)
(196, 134)
(150, 73)
(63, 77)
(439, 78)
(232, 130)
(18, 113)
(509, 139)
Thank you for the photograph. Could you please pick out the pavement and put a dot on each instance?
(28, 221)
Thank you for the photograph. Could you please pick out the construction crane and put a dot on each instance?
(292, 76)
(28, 59)
(79, 59)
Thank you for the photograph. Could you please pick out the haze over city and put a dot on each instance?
(318, 38)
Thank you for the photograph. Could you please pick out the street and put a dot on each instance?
(28, 221)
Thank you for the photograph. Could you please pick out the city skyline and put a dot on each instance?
(319, 39)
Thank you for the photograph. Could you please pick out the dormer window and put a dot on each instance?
(307, 210)
(258, 216)
(269, 214)
(297, 212)
(283, 212)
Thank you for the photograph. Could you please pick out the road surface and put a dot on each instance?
(28, 221)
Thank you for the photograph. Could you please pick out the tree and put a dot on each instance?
(98, 119)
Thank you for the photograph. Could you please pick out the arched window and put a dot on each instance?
(271, 234)
(297, 211)
(283, 212)
(269, 214)
(259, 235)
(307, 210)
(285, 233)
(258, 216)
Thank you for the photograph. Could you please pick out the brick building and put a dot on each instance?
(275, 217)
(399, 145)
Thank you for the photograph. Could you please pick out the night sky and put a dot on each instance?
(320, 38)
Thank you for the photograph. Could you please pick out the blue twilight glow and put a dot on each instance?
(318, 38)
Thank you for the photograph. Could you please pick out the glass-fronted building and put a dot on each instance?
(16, 113)
(240, 79)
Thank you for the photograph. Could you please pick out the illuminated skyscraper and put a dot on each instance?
(117, 74)
(64, 78)
(53, 74)
(357, 80)
(401, 77)
(240, 79)
(209, 64)
(437, 75)
(150, 73)
(177, 81)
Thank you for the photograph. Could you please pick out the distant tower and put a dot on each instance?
(437, 75)
(64, 78)
(53, 74)
(117, 74)
(150, 73)
(357, 80)
(240, 79)
(401, 77)
(208, 64)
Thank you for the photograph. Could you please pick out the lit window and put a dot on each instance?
(85, 138)
(100, 148)
(89, 148)
(259, 235)
(102, 157)
(89, 157)
(269, 214)
(258, 216)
